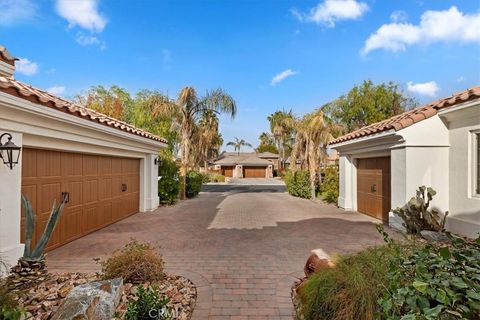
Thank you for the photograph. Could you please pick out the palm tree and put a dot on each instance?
(238, 144)
(209, 139)
(186, 111)
(282, 130)
(311, 140)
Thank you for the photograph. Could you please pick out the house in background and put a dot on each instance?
(106, 167)
(437, 145)
(244, 165)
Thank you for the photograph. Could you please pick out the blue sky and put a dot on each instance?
(268, 54)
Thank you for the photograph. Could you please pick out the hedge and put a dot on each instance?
(194, 181)
(298, 183)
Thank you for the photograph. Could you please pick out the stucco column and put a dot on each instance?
(10, 205)
(345, 198)
(149, 200)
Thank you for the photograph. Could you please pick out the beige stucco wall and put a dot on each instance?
(41, 127)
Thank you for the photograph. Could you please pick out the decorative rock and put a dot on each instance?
(95, 300)
(317, 261)
(434, 236)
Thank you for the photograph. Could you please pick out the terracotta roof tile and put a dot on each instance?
(27, 92)
(410, 117)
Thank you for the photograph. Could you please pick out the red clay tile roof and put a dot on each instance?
(410, 117)
(24, 91)
(6, 57)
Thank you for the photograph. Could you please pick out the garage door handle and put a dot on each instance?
(373, 188)
(124, 187)
(66, 197)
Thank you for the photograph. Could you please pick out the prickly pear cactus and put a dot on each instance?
(416, 216)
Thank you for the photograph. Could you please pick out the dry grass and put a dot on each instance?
(135, 263)
(350, 290)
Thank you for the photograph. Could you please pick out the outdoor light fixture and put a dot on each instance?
(157, 161)
(9, 151)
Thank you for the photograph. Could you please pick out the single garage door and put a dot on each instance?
(101, 189)
(254, 172)
(373, 187)
(227, 171)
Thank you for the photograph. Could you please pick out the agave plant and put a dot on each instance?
(37, 253)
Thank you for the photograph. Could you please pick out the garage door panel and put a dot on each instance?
(48, 164)
(72, 165)
(254, 172)
(95, 187)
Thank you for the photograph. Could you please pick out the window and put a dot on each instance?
(477, 163)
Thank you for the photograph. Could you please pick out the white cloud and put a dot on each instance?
(330, 11)
(56, 90)
(429, 89)
(435, 26)
(83, 13)
(86, 40)
(398, 16)
(282, 76)
(461, 79)
(26, 67)
(14, 11)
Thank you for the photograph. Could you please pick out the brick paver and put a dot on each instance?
(243, 246)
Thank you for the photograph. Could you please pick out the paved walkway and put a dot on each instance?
(243, 246)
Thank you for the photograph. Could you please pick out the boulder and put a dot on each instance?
(95, 300)
(435, 236)
(317, 261)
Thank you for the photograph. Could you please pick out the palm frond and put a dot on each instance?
(218, 100)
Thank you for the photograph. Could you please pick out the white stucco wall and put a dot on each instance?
(10, 184)
(38, 126)
(464, 216)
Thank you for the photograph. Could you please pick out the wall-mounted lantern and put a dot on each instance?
(9, 151)
(157, 161)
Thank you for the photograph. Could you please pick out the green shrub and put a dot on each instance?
(9, 309)
(435, 283)
(135, 263)
(350, 290)
(194, 181)
(330, 184)
(214, 177)
(168, 184)
(298, 183)
(149, 305)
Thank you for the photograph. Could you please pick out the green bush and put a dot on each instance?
(9, 309)
(330, 184)
(194, 181)
(435, 283)
(168, 184)
(298, 183)
(149, 305)
(214, 177)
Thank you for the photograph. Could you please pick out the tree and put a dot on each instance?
(208, 137)
(311, 140)
(366, 104)
(112, 102)
(267, 148)
(238, 144)
(282, 130)
(186, 111)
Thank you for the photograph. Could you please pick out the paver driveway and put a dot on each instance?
(242, 245)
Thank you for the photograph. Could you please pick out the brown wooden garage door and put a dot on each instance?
(102, 190)
(227, 171)
(373, 187)
(254, 172)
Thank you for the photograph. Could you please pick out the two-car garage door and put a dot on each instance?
(101, 190)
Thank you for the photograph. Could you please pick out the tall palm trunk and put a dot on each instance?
(312, 166)
(185, 151)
